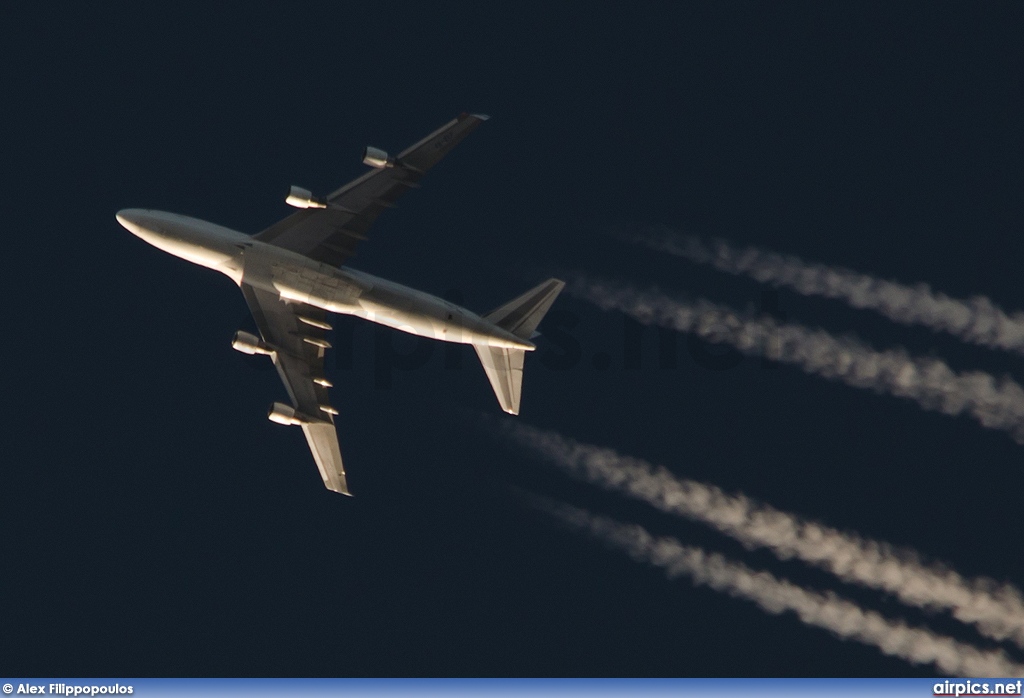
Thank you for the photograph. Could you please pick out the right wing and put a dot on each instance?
(291, 329)
(330, 235)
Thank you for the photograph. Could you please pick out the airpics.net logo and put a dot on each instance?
(71, 690)
(977, 688)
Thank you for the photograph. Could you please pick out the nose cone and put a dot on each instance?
(149, 226)
(146, 225)
(194, 240)
(132, 220)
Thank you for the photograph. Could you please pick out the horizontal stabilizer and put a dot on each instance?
(522, 315)
(504, 369)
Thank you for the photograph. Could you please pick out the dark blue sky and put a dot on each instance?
(153, 522)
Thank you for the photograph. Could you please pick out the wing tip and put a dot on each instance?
(340, 489)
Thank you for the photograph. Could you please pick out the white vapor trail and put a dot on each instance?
(930, 382)
(841, 617)
(976, 320)
(996, 610)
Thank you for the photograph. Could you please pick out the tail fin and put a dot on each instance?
(504, 367)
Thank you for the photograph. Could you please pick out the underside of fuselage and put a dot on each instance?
(298, 279)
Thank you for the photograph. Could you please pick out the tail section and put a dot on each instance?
(522, 315)
(504, 367)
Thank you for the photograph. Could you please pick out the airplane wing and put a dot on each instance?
(296, 331)
(330, 235)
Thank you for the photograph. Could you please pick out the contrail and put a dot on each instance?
(976, 320)
(930, 382)
(996, 610)
(841, 617)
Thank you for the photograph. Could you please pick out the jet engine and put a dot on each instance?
(250, 344)
(284, 414)
(303, 198)
(375, 157)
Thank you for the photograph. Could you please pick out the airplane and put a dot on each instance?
(292, 276)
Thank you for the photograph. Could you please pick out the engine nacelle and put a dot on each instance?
(375, 157)
(284, 414)
(250, 344)
(303, 198)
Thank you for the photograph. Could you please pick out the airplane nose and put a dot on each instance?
(127, 217)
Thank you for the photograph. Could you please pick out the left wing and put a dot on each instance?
(296, 332)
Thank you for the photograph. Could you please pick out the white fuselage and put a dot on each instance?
(299, 279)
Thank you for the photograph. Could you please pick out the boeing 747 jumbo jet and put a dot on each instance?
(291, 277)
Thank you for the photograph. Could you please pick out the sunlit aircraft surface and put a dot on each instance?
(292, 277)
